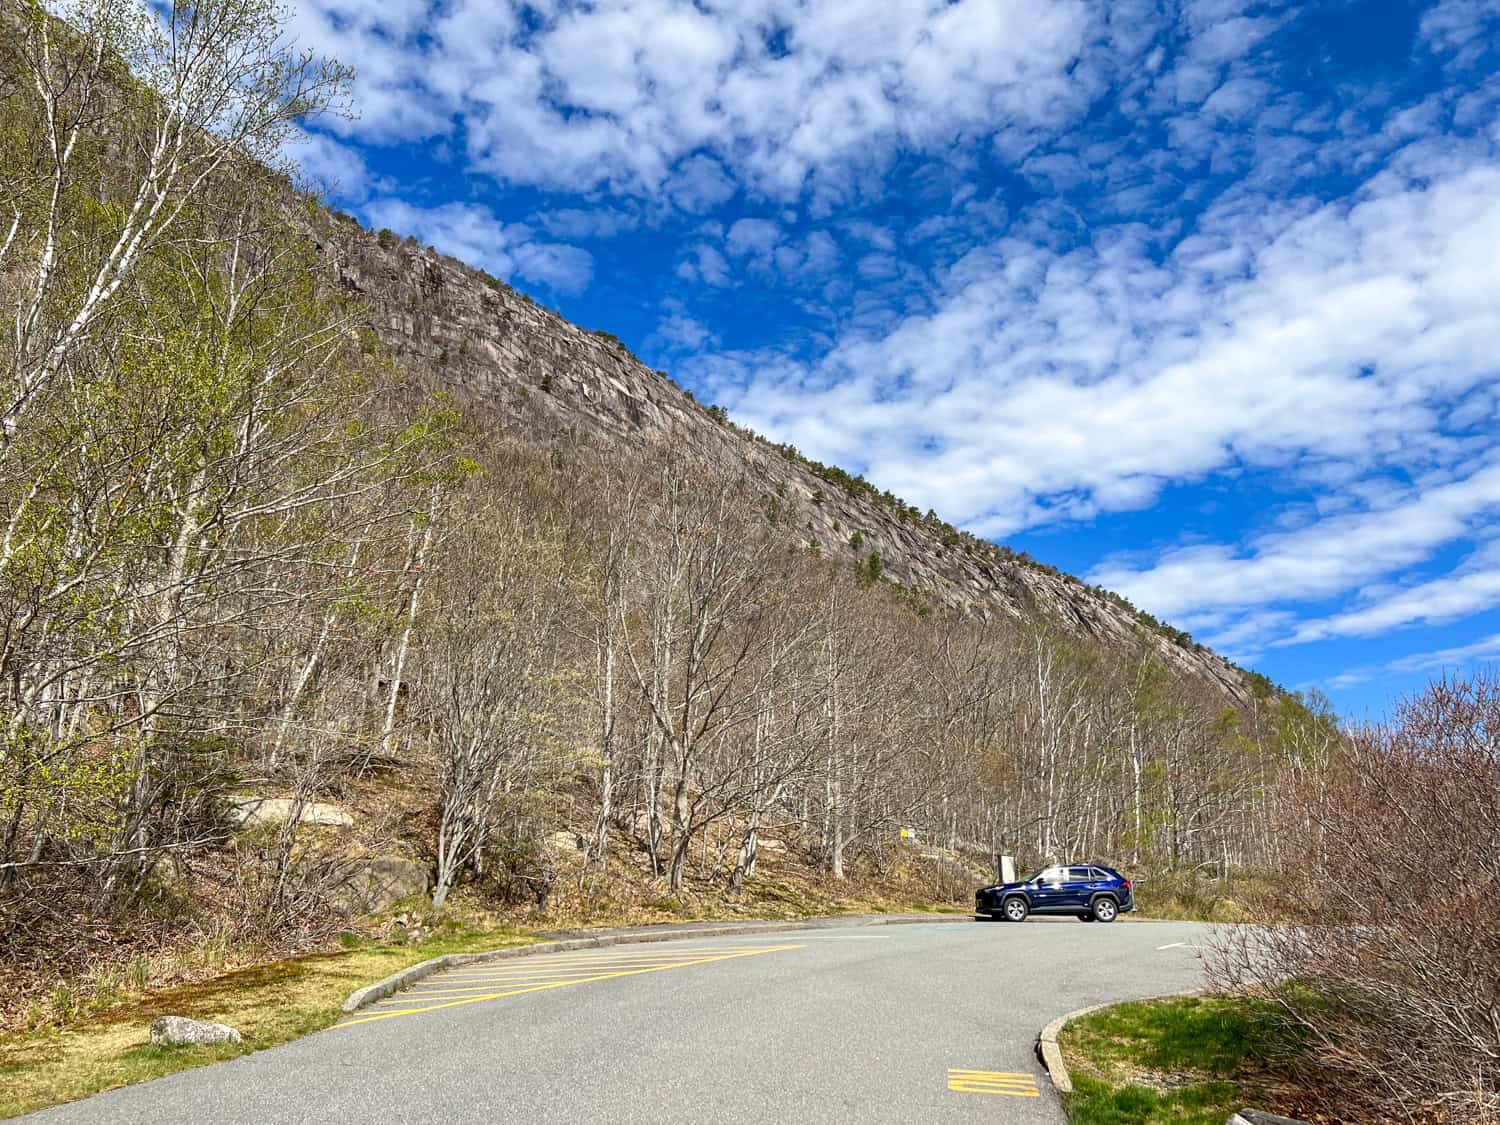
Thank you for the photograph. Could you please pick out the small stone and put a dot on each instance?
(178, 1031)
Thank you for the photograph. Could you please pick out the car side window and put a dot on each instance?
(1082, 875)
(1098, 875)
(1053, 875)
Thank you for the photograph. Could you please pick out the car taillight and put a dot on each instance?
(1127, 884)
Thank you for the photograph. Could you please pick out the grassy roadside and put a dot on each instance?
(269, 1003)
(274, 1002)
(1184, 1061)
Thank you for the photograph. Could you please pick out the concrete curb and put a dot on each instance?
(394, 983)
(1050, 1052)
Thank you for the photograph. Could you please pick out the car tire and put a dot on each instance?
(1015, 909)
(1105, 909)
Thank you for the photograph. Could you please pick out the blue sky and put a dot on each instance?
(1198, 300)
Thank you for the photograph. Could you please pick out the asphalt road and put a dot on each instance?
(926, 1022)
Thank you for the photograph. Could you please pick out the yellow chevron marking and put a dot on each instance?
(1011, 1083)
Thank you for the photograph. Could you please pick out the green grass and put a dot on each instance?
(1186, 1061)
(1094, 1102)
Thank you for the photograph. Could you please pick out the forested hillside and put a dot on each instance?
(518, 364)
(296, 510)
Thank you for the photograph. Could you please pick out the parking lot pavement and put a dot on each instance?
(502, 980)
(931, 1023)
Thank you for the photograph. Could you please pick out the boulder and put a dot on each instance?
(252, 812)
(179, 1031)
(380, 882)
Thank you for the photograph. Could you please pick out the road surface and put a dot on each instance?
(923, 1022)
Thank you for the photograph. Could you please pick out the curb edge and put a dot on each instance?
(1050, 1052)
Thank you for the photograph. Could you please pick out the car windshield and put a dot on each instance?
(1035, 875)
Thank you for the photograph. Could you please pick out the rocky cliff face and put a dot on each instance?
(542, 377)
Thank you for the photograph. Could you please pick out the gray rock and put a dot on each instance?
(379, 883)
(251, 812)
(178, 1031)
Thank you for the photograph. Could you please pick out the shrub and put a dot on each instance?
(1391, 963)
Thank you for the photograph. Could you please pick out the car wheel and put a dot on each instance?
(1105, 909)
(1015, 909)
(1085, 917)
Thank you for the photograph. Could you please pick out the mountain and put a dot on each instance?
(541, 377)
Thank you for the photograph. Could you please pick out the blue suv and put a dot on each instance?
(1089, 891)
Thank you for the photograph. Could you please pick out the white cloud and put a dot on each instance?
(761, 248)
(669, 96)
(572, 223)
(473, 235)
(752, 237)
(699, 184)
(679, 331)
(704, 264)
(1065, 382)
(327, 166)
(1460, 27)
(1484, 649)
(1472, 588)
(1321, 559)
(879, 237)
(1457, 657)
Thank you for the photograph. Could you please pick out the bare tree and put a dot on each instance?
(205, 87)
(488, 677)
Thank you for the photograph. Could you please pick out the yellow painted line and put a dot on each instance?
(455, 983)
(536, 974)
(566, 983)
(450, 980)
(488, 971)
(650, 950)
(1013, 1084)
(602, 959)
(447, 993)
(1025, 1074)
(534, 965)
